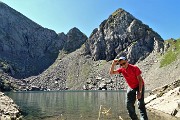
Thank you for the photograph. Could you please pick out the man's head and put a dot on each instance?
(123, 62)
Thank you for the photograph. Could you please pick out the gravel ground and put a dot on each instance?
(154, 76)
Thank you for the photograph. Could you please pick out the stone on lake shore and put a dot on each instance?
(167, 102)
(8, 109)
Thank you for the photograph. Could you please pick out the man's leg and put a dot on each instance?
(131, 98)
(142, 108)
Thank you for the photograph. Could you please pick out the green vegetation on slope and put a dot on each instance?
(172, 52)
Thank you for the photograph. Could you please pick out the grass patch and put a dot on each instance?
(172, 53)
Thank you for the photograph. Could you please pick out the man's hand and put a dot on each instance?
(115, 61)
(139, 95)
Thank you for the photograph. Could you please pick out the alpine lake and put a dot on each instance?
(75, 105)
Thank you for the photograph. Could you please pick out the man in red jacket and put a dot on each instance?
(132, 75)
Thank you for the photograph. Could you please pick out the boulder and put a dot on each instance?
(8, 109)
(165, 97)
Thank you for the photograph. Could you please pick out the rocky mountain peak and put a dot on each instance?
(27, 47)
(74, 30)
(4, 6)
(123, 34)
(75, 38)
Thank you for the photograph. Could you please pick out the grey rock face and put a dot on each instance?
(25, 44)
(28, 47)
(123, 34)
(74, 40)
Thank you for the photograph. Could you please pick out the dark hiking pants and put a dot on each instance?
(131, 98)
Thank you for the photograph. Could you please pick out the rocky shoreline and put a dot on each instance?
(8, 109)
(165, 99)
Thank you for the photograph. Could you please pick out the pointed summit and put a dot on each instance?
(74, 29)
(75, 38)
(123, 34)
(118, 12)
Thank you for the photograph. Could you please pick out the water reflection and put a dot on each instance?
(73, 105)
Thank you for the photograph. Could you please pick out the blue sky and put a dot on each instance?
(163, 16)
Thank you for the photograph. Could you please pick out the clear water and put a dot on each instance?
(74, 105)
